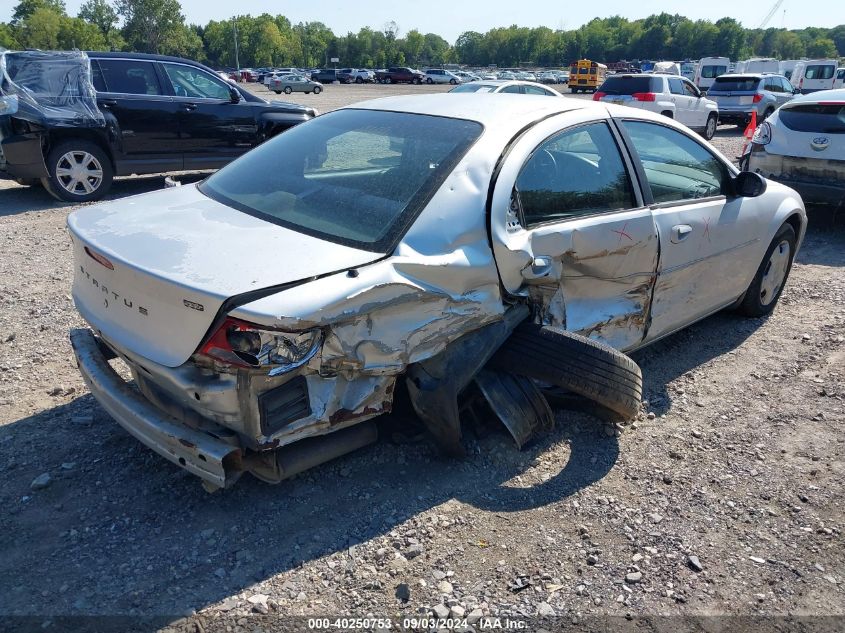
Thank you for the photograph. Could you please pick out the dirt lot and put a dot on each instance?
(725, 497)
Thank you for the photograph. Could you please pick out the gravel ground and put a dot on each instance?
(724, 497)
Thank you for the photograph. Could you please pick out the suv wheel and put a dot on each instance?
(453, 81)
(288, 90)
(710, 127)
(358, 80)
(429, 80)
(78, 171)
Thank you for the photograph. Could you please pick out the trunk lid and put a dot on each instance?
(151, 271)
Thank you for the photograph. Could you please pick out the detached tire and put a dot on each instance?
(766, 287)
(575, 363)
(79, 171)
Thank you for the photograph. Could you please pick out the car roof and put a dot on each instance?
(837, 95)
(502, 111)
(146, 56)
(743, 75)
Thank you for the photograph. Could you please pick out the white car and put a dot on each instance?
(803, 145)
(673, 96)
(269, 313)
(508, 87)
(440, 76)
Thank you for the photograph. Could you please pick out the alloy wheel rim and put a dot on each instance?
(79, 172)
(775, 273)
(711, 127)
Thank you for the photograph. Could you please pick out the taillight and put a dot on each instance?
(757, 98)
(644, 96)
(598, 95)
(100, 259)
(244, 344)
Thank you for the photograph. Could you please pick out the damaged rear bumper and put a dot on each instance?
(202, 454)
(819, 181)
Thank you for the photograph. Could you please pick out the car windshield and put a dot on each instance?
(735, 84)
(815, 117)
(474, 88)
(355, 177)
(622, 85)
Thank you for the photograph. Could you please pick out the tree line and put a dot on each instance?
(158, 26)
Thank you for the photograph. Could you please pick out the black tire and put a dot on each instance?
(710, 127)
(288, 90)
(62, 187)
(278, 92)
(358, 80)
(417, 81)
(756, 303)
(573, 362)
(429, 80)
(388, 80)
(317, 90)
(453, 81)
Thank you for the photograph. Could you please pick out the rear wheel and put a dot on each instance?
(388, 80)
(710, 127)
(358, 80)
(317, 90)
(575, 363)
(766, 287)
(417, 81)
(453, 81)
(79, 171)
(429, 81)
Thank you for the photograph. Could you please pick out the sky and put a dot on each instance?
(450, 18)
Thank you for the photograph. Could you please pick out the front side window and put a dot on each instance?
(578, 172)
(676, 166)
(354, 177)
(691, 90)
(129, 76)
(194, 83)
(710, 72)
(676, 87)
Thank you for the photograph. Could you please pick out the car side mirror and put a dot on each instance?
(234, 95)
(748, 184)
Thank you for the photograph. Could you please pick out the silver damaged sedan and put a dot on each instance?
(439, 243)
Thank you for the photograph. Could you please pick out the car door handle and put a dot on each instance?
(107, 103)
(189, 106)
(680, 232)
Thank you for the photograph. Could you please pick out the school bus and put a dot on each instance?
(586, 75)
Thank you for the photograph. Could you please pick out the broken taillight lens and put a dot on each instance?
(244, 344)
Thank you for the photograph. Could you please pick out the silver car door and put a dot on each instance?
(707, 239)
(570, 231)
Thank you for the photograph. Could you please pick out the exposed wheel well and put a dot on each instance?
(60, 136)
(794, 221)
(668, 113)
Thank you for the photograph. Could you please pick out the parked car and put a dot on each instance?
(466, 77)
(740, 95)
(563, 76)
(325, 75)
(508, 87)
(815, 74)
(295, 83)
(802, 144)
(82, 119)
(440, 76)
(547, 77)
(400, 74)
(356, 75)
(245, 365)
(489, 77)
(671, 95)
(278, 72)
(708, 69)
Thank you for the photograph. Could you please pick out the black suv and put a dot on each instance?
(145, 114)
(326, 75)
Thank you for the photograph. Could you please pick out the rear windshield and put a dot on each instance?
(630, 85)
(735, 84)
(819, 71)
(474, 87)
(355, 177)
(709, 72)
(829, 119)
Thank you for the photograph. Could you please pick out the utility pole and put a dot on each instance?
(235, 35)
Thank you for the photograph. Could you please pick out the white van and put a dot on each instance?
(814, 74)
(839, 81)
(759, 65)
(708, 69)
(787, 67)
(688, 70)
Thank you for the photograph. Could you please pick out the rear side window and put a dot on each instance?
(709, 72)
(736, 84)
(819, 71)
(129, 76)
(829, 119)
(622, 85)
(578, 172)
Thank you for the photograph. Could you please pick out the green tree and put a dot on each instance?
(154, 26)
(8, 38)
(100, 13)
(77, 33)
(40, 29)
(26, 8)
(822, 47)
(412, 45)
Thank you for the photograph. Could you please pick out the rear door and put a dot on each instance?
(698, 113)
(212, 130)
(570, 231)
(681, 100)
(705, 237)
(140, 113)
